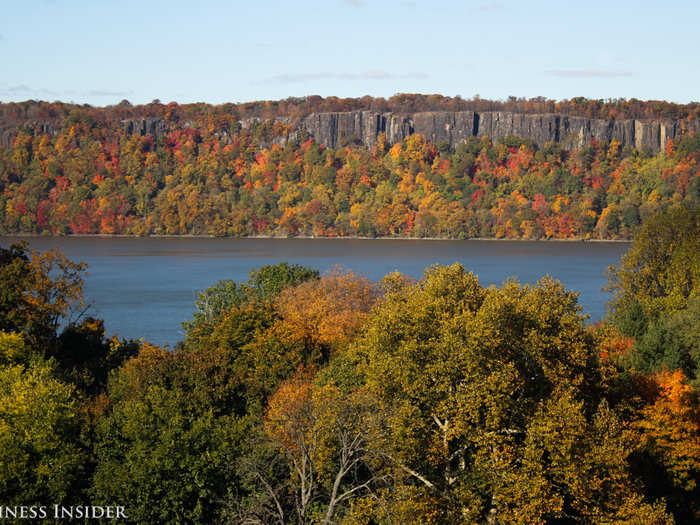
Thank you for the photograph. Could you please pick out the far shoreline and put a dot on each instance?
(301, 237)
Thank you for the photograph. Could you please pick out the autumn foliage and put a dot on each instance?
(326, 312)
(214, 176)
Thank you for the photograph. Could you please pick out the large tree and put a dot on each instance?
(493, 405)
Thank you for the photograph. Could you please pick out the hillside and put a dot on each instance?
(412, 166)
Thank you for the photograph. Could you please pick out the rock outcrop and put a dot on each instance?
(339, 128)
(332, 129)
(33, 128)
(145, 126)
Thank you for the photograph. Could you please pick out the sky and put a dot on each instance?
(100, 52)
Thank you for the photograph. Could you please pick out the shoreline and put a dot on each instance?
(301, 237)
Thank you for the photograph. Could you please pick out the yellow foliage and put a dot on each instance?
(12, 348)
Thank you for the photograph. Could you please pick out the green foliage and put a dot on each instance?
(41, 462)
(162, 449)
(263, 284)
(671, 343)
(662, 269)
(657, 297)
(214, 301)
(269, 280)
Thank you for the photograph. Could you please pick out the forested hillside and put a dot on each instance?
(78, 170)
(300, 398)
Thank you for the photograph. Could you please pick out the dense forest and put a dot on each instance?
(205, 173)
(302, 398)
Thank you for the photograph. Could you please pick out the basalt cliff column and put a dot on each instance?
(333, 129)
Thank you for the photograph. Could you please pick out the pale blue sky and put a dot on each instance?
(100, 52)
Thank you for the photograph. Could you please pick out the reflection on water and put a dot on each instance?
(145, 287)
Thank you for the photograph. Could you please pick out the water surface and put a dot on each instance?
(146, 287)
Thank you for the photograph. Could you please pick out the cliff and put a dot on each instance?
(455, 127)
(145, 126)
(142, 126)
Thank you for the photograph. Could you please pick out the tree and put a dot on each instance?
(269, 280)
(326, 435)
(14, 271)
(326, 312)
(671, 343)
(38, 290)
(85, 358)
(492, 403)
(662, 268)
(163, 445)
(263, 284)
(657, 290)
(41, 461)
(13, 349)
(669, 433)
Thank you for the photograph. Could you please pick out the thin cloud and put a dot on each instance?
(366, 75)
(355, 3)
(380, 75)
(2, 37)
(107, 93)
(589, 73)
(485, 8)
(23, 90)
(20, 88)
(408, 3)
(290, 79)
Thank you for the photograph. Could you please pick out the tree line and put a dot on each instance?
(300, 398)
(18, 113)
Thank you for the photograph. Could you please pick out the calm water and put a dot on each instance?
(146, 287)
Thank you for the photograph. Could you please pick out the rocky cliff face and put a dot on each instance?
(455, 127)
(333, 129)
(34, 128)
(145, 126)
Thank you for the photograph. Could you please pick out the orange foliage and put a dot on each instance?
(289, 418)
(670, 428)
(328, 311)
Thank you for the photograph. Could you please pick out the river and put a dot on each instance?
(146, 287)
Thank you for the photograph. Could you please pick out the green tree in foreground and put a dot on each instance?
(160, 448)
(263, 284)
(41, 460)
(657, 293)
